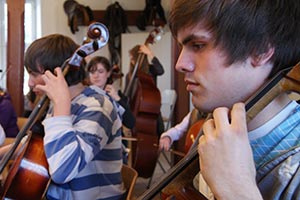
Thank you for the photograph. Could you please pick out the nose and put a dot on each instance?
(184, 62)
(31, 82)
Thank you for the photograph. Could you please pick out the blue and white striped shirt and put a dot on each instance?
(84, 150)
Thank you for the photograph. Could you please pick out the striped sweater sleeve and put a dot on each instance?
(73, 141)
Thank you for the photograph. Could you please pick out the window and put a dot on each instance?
(3, 39)
(32, 31)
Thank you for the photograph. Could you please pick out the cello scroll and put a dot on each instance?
(99, 34)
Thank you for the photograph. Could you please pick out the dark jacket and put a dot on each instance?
(128, 117)
(8, 116)
(156, 69)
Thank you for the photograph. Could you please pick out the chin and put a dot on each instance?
(201, 105)
(197, 103)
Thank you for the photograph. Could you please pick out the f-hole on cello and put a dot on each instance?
(177, 182)
(145, 102)
(28, 176)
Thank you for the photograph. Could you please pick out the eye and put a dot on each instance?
(99, 71)
(196, 46)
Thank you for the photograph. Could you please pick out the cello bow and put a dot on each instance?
(286, 80)
(99, 33)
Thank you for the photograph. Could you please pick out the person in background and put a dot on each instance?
(174, 133)
(82, 139)
(8, 115)
(154, 68)
(229, 50)
(100, 73)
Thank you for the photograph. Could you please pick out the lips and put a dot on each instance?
(191, 85)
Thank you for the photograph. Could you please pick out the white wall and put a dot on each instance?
(54, 20)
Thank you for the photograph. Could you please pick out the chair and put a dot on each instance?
(168, 100)
(129, 176)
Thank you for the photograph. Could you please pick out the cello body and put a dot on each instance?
(145, 105)
(182, 187)
(145, 102)
(29, 173)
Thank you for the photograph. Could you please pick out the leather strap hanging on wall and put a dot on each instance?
(77, 14)
(153, 14)
(115, 19)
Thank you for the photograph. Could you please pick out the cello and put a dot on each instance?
(177, 182)
(196, 121)
(28, 176)
(145, 101)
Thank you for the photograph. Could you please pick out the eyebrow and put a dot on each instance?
(193, 37)
(188, 39)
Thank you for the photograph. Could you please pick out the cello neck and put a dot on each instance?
(128, 89)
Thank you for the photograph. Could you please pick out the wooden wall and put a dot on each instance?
(15, 53)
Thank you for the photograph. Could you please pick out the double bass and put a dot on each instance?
(145, 102)
(28, 176)
(177, 183)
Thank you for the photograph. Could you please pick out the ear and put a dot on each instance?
(262, 58)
